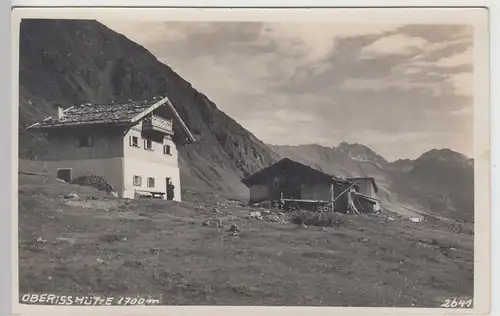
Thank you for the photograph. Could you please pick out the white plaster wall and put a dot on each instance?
(155, 156)
(145, 169)
(110, 169)
(139, 161)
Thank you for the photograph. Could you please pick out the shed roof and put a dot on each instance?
(112, 113)
(291, 165)
(371, 179)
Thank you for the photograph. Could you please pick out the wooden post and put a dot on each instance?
(281, 201)
(332, 189)
(346, 190)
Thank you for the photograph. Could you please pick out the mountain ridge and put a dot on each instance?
(345, 143)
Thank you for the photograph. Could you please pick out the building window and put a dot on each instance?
(137, 181)
(134, 141)
(151, 182)
(84, 141)
(148, 144)
(167, 150)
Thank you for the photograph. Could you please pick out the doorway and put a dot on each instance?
(170, 189)
(64, 174)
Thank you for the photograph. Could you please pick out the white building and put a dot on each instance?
(131, 145)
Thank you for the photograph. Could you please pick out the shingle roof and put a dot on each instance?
(113, 113)
(289, 164)
(98, 114)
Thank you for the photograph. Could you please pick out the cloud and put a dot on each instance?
(399, 89)
(397, 44)
(459, 59)
(463, 84)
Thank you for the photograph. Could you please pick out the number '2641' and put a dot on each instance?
(454, 303)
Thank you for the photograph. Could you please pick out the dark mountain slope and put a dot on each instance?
(72, 62)
(442, 180)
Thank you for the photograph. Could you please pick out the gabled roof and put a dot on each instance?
(365, 178)
(288, 164)
(115, 113)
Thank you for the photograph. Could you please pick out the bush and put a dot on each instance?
(97, 182)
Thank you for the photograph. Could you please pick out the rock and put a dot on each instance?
(155, 251)
(234, 228)
(206, 224)
(255, 214)
(71, 241)
(390, 218)
(100, 261)
(273, 218)
(72, 196)
(363, 240)
(41, 240)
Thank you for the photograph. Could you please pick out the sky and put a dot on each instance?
(399, 89)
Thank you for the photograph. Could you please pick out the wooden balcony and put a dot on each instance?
(157, 124)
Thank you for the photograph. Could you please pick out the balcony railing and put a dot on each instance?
(159, 124)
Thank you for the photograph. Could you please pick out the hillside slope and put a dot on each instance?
(72, 62)
(440, 181)
(106, 246)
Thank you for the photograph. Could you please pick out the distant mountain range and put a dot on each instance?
(72, 62)
(439, 181)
